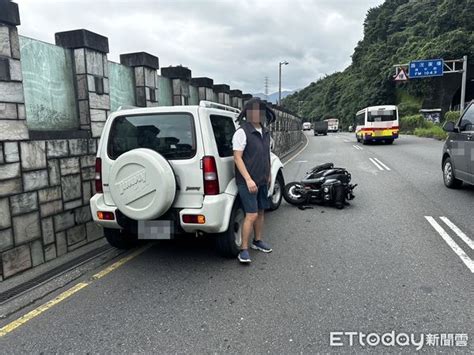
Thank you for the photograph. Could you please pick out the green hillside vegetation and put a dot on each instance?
(395, 32)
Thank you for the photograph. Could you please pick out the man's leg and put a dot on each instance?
(263, 203)
(258, 226)
(249, 204)
(247, 228)
(258, 243)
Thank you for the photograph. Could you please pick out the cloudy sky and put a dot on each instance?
(236, 42)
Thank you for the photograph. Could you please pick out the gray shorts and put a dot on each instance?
(252, 203)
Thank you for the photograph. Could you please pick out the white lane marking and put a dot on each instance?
(346, 140)
(376, 164)
(459, 232)
(357, 147)
(385, 166)
(452, 244)
(294, 156)
(301, 161)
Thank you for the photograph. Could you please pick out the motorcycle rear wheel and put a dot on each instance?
(292, 196)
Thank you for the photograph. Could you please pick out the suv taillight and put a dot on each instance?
(211, 181)
(98, 176)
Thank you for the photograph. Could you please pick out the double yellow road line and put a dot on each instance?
(68, 293)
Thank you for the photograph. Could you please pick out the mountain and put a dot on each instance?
(273, 98)
(396, 31)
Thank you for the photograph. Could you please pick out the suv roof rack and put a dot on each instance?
(127, 107)
(210, 104)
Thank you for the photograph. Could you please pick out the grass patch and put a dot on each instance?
(432, 132)
(417, 125)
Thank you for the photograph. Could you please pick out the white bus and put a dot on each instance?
(377, 123)
(333, 124)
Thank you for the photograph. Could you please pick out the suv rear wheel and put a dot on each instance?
(228, 243)
(120, 239)
(448, 175)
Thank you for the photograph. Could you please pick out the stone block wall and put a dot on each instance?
(45, 187)
(47, 176)
(12, 103)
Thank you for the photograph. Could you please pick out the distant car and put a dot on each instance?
(458, 151)
(306, 126)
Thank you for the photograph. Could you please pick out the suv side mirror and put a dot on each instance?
(465, 126)
(448, 126)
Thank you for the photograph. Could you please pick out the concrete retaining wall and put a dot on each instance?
(46, 171)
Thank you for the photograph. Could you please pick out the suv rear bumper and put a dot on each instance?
(98, 204)
(216, 210)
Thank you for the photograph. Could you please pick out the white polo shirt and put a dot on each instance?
(239, 140)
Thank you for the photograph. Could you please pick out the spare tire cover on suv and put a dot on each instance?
(142, 184)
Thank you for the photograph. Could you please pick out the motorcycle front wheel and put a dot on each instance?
(292, 193)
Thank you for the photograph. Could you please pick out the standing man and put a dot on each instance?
(251, 144)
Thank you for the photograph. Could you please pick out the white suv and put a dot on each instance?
(162, 171)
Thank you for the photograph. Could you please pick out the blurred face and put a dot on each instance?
(255, 114)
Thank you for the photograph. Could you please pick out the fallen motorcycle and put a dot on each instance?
(323, 184)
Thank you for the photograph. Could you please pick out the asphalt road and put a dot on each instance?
(375, 267)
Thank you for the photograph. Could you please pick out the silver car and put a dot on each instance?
(458, 150)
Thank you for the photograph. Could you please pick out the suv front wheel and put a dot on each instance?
(229, 242)
(448, 175)
(275, 199)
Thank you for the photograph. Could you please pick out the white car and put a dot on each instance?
(162, 171)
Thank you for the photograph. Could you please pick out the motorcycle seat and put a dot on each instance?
(316, 181)
(322, 167)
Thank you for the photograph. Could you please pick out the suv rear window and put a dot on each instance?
(171, 134)
(224, 129)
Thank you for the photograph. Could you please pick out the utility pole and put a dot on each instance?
(266, 88)
(463, 82)
(279, 80)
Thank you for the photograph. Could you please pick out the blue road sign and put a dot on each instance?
(425, 68)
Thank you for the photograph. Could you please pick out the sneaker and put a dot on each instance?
(261, 245)
(244, 256)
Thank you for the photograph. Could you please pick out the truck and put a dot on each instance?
(320, 127)
(333, 124)
(306, 126)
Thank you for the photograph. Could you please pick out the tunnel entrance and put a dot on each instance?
(456, 100)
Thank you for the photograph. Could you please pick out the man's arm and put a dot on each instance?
(243, 171)
(269, 179)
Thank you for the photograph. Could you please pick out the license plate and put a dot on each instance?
(155, 230)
